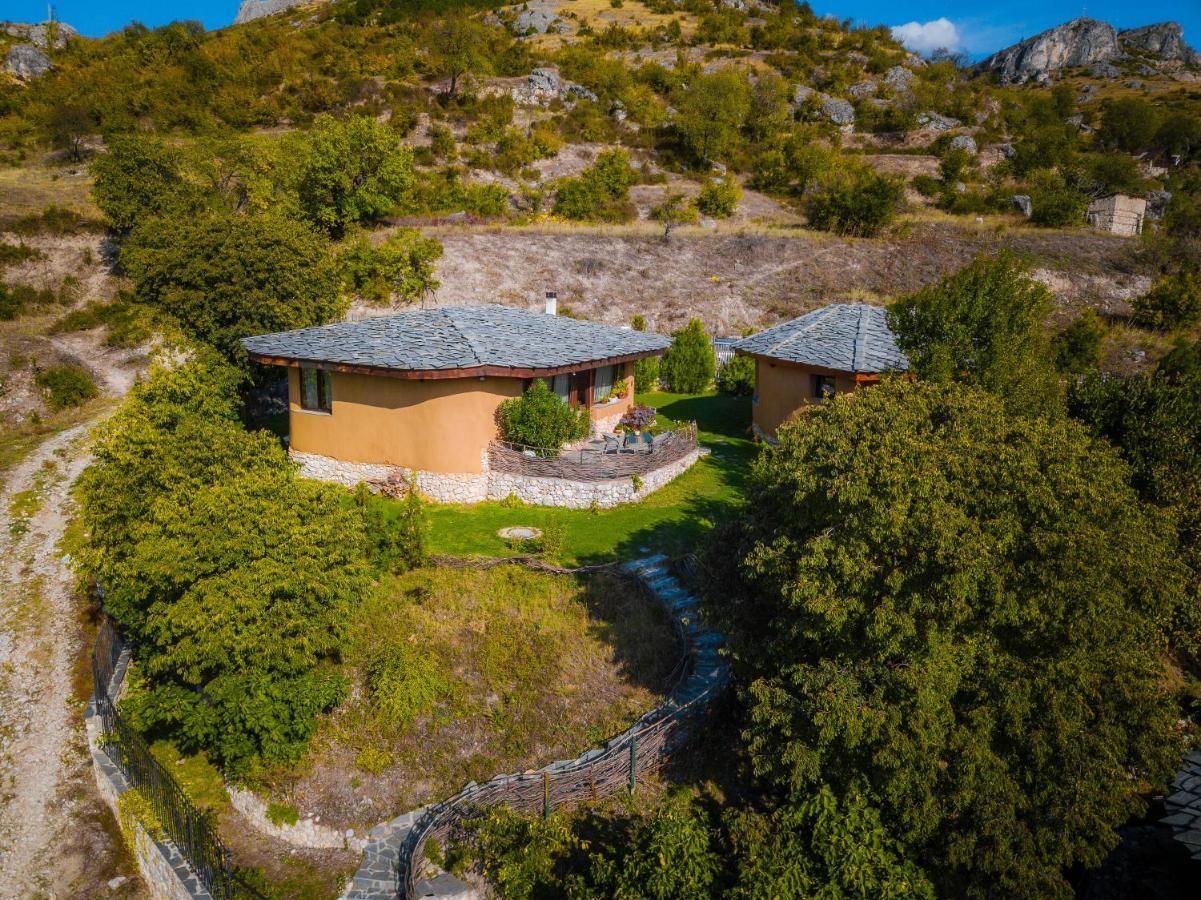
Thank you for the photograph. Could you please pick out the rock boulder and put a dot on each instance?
(27, 62)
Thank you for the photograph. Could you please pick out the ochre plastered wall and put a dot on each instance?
(437, 425)
(609, 410)
(783, 391)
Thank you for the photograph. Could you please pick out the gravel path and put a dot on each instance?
(55, 836)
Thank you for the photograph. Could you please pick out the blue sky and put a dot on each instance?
(976, 27)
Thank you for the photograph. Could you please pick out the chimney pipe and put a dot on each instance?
(552, 303)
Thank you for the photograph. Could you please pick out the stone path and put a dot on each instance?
(378, 876)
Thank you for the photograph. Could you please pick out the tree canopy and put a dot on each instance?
(983, 325)
(689, 364)
(959, 611)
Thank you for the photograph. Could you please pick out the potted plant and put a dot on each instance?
(639, 418)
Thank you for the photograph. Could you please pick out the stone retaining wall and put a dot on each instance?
(306, 832)
(495, 485)
(163, 868)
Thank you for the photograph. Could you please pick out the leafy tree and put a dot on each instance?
(1129, 123)
(226, 277)
(1180, 133)
(1077, 346)
(719, 197)
(689, 364)
(823, 846)
(139, 178)
(737, 376)
(983, 325)
(855, 201)
(402, 266)
(902, 597)
(69, 124)
(457, 48)
(1054, 203)
(1182, 362)
(1173, 302)
(601, 192)
(354, 170)
(674, 211)
(539, 419)
(711, 111)
(646, 371)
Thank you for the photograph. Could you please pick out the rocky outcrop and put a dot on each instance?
(964, 142)
(838, 111)
(256, 9)
(544, 85)
(899, 79)
(932, 121)
(1164, 40)
(27, 62)
(1081, 42)
(538, 21)
(44, 35)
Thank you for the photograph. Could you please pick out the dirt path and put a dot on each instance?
(56, 839)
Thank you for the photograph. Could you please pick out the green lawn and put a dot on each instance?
(671, 520)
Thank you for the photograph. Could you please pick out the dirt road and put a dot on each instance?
(56, 837)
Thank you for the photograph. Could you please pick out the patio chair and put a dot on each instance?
(649, 440)
(612, 442)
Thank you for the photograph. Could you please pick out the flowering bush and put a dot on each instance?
(639, 418)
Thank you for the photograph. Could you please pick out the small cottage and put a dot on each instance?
(418, 391)
(832, 350)
(1118, 214)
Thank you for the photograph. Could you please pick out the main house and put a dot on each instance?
(832, 350)
(417, 392)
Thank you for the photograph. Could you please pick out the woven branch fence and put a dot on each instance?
(642, 749)
(589, 464)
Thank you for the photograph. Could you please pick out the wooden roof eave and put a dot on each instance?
(435, 374)
(863, 377)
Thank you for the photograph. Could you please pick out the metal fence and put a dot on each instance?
(193, 831)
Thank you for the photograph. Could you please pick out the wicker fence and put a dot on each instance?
(194, 832)
(591, 464)
(640, 750)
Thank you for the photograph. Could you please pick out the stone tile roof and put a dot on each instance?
(847, 337)
(1183, 804)
(458, 337)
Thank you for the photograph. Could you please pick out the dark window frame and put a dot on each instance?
(824, 387)
(323, 388)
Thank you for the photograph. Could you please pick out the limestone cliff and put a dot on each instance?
(1081, 42)
(256, 9)
(1164, 40)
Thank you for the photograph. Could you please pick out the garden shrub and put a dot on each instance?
(66, 386)
(689, 364)
(1173, 302)
(737, 376)
(539, 419)
(719, 197)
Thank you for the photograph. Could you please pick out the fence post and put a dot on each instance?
(545, 795)
(633, 761)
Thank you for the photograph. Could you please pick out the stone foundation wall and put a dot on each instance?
(493, 485)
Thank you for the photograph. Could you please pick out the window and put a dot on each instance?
(315, 394)
(823, 387)
(602, 386)
(561, 386)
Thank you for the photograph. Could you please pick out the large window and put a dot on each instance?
(315, 394)
(603, 385)
(561, 386)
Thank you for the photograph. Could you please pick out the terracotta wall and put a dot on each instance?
(440, 425)
(782, 392)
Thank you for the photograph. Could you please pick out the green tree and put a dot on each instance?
(457, 47)
(140, 177)
(352, 170)
(225, 277)
(539, 419)
(69, 125)
(737, 376)
(646, 371)
(1077, 345)
(711, 111)
(822, 846)
(401, 267)
(854, 200)
(675, 210)
(902, 601)
(1173, 302)
(601, 192)
(719, 197)
(1129, 123)
(689, 364)
(983, 325)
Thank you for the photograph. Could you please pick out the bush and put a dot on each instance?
(1077, 346)
(673, 211)
(1173, 302)
(140, 177)
(401, 267)
(737, 376)
(1053, 203)
(719, 197)
(66, 386)
(859, 202)
(689, 364)
(601, 193)
(539, 419)
(646, 375)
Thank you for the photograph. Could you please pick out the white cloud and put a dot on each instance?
(926, 37)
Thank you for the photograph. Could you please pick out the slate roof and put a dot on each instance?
(846, 337)
(458, 337)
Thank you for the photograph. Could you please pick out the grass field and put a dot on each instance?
(672, 520)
